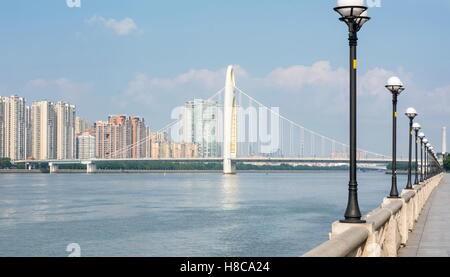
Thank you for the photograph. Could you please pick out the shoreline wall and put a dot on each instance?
(387, 228)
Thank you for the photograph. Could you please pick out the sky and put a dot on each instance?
(145, 58)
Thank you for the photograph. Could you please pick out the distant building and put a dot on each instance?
(28, 133)
(81, 125)
(85, 145)
(65, 131)
(121, 137)
(43, 118)
(159, 146)
(138, 136)
(200, 126)
(12, 127)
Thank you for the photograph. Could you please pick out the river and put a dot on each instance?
(250, 214)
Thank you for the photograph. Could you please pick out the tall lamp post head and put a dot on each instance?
(411, 113)
(425, 141)
(395, 85)
(416, 127)
(353, 12)
(421, 136)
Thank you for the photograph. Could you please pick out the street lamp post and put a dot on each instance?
(416, 127)
(421, 137)
(425, 141)
(427, 157)
(354, 14)
(395, 86)
(411, 114)
(432, 161)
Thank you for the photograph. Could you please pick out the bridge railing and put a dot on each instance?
(386, 230)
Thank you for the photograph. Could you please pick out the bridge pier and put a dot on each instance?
(91, 168)
(53, 168)
(229, 167)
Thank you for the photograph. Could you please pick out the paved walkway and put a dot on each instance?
(431, 235)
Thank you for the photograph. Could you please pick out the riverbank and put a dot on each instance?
(128, 171)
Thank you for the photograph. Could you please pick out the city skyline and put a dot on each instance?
(45, 130)
(142, 65)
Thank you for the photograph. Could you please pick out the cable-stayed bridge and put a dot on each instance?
(240, 129)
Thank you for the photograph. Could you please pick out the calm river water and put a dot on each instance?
(250, 214)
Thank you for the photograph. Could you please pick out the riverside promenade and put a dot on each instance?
(416, 224)
(431, 235)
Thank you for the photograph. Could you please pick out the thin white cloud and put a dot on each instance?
(143, 87)
(299, 76)
(122, 27)
(320, 80)
(373, 81)
(436, 101)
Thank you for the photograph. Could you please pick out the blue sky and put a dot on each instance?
(146, 57)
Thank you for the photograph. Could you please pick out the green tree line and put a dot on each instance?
(5, 163)
(447, 163)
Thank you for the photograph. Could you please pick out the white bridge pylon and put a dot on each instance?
(230, 123)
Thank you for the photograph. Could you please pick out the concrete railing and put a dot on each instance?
(386, 230)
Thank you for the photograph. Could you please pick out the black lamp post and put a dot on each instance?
(425, 142)
(427, 158)
(411, 114)
(432, 164)
(354, 14)
(416, 127)
(395, 86)
(421, 137)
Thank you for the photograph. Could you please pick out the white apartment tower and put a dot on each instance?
(200, 126)
(2, 127)
(65, 131)
(28, 136)
(12, 127)
(43, 133)
(85, 146)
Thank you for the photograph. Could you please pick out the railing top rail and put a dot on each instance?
(341, 245)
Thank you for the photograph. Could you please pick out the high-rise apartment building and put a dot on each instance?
(138, 135)
(65, 131)
(200, 126)
(85, 145)
(28, 135)
(112, 137)
(81, 125)
(43, 121)
(2, 127)
(12, 127)
(121, 137)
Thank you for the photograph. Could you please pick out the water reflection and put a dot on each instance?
(230, 192)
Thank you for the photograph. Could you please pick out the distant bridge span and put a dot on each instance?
(92, 163)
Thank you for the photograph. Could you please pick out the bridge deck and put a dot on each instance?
(431, 236)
